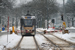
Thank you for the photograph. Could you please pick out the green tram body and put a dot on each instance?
(28, 25)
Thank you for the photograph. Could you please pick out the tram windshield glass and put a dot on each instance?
(28, 22)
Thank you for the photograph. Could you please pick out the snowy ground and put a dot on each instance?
(13, 40)
(4, 31)
(43, 43)
(70, 28)
(9, 41)
(69, 37)
(28, 43)
(41, 29)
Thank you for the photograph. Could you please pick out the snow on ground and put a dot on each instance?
(69, 37)
(70, 28)
(18, 28)
(10, 28)
(40, 40)
(4, 31)
(13, 40)
(41, 29)
(51, 29)
(1, 47)
(28, 43)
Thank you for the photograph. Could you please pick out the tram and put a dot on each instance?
(28, 25)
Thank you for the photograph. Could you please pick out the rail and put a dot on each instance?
(36, 43)
(55, 45)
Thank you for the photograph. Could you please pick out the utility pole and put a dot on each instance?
(47, 12)
(64, 9)
(7, 29)
(64, 25)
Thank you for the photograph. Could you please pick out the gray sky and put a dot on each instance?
(18, 3)
(61, 1)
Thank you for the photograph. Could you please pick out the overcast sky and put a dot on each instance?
(18, 3)
(61, 1)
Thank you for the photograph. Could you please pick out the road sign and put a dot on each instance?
(64, 24)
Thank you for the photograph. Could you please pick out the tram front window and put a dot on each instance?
(28, 22)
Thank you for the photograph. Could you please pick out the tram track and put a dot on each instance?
(58, 45)
(34, 43)
(19, 44)
(64, 40)
(42, 42)
(47, 42)
(54, 45)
